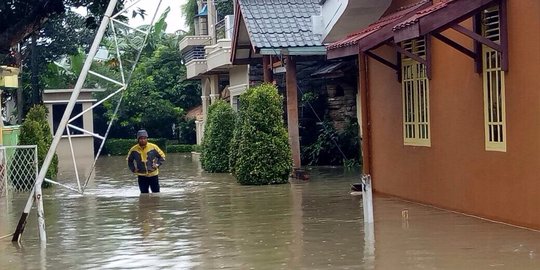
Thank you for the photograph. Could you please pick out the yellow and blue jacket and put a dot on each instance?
(145, 161)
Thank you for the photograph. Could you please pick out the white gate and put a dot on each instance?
(18, 169)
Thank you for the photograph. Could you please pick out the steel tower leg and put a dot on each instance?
(57, 136)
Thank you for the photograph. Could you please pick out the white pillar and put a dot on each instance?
(367, 199)
(214, 88)
(199, 131)
(205, 104)
(212, 20)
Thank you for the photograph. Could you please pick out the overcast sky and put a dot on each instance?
(175, 20)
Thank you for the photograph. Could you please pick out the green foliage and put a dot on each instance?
(350, 163)
(158, 96)
(235, 142)
(35, 131)
(224, 8)
(189, 11)
(180, 148)
(263, 155)
(197, 148)
(309, 97)
(64, 75)
(332, 147)
(217, 135)
(119, 147)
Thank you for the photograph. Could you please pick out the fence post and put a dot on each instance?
(39, 203)
(367, 198)
(3, 170)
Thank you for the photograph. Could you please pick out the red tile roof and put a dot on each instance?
(354, 38)
(421, 13)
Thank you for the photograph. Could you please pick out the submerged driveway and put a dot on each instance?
(207, 221)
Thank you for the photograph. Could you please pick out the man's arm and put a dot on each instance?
(161, 156)
(130, 159)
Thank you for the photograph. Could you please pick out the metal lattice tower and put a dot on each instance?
(115, 28)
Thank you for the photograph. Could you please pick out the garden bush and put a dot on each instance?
(263, 155)
(197, 148)
(332, 147)
(218, 131)
(35, 130)
(235, 141)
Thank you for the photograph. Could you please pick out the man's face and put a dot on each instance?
(143, 140)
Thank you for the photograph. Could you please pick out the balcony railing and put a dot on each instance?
(192, 53)
(194, 41)
(225, 28)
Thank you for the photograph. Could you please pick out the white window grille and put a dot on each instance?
(493, 82)
(415, 92)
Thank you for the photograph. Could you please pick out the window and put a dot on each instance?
(494, 92)
(415, 92)
(58, 112)
(235, 103)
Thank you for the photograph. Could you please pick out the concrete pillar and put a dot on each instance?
(212, 20)
(205, 104)
(199, 130)
(205, 98)
(214, 88)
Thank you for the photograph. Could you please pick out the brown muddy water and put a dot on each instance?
(207, 221)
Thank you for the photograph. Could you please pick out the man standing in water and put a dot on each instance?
(144, 159)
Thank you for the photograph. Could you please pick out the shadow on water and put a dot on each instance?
(208, 221)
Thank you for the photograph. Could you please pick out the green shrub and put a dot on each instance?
(118, 147)
(179, 148)
(197, 148)
(235, 142)
(35, 131)
(263, 155)
(218, 132)
(332, 147)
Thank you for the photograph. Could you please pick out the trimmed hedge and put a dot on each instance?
(235, 141)
(180, 148)
(217, 136)
(263, 155)
(197, 148)
(119, 147)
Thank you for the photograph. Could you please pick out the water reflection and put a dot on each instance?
(148, 217)
(207, 221)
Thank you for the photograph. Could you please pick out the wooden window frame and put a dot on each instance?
(415, 96)
(494, 97)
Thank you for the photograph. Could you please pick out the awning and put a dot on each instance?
(448, 14)
(424, 19)
(375, 34)
(438, 17)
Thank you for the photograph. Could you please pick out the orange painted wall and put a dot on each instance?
(456, 172)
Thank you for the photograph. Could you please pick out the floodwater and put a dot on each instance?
(207, 221)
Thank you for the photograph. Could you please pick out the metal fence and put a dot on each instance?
(18, 168)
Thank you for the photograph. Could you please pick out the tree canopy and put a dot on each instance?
(20, 18)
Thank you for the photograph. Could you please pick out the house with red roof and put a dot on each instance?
(450, 103)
